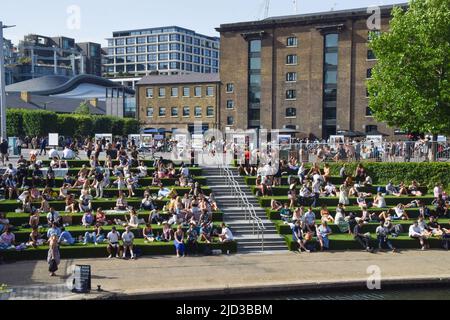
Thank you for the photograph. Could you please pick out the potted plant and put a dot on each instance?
(5, 293)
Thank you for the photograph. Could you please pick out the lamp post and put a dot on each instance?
(2, 84)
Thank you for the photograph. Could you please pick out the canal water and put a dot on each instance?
(399, 294)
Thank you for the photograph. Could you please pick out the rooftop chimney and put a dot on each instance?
(25, 96)
(94, 102)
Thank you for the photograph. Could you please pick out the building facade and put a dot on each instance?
(178, 102)
(41, 56)
(304, 72)
(166, 51)
(10, 55)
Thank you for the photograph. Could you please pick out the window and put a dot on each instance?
(292, 42)
(162, 92)
(198, 112)
(150, 112)
(152, 39)
(186, 92)
(371, 128)
(230, 121)
(186, 111)
(152, 48)
(174, 112)
(255, 46)
(369, 73)
(291, 112)
(162, 111)
(163, 56)
(152, 57)
(141, 58)
(198, 91)
(255, 63)
(120, 50)
(141, 40)
(369, 112)
(230, 87)
(371, 55)
(373, 34)
(210, 111)
(291, 76)
(149, 92)
(174, 92)
(163, 65)
(291, 59)
(210, 91)
(131, 58)
(131, 49)
(230, 104)
(291, 94)
(163, 38)
(131, 41)
(174, 37)
(163, 47)
(120, 42)
(141, 49)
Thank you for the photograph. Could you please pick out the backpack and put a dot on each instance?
(208, 250)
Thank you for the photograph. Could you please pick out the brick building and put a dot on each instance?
(305, 72)
(178, 101)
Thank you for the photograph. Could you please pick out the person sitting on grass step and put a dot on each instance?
(113, 238)
(362, 238)
(382, 233)
(415, 232)
(297, 236)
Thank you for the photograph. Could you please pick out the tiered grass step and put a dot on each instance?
(283, 190)
(412, 212)
(79, 250)
(347, 242)
(333, 201)
(285, 229)
(19, 219)
(150, 171)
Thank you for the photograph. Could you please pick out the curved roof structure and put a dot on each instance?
(61, 85)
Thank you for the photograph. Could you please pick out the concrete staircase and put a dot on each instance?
(234, 216)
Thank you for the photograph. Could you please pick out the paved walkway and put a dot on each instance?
(170, 276)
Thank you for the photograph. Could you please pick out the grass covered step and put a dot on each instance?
(78, 250)
(194, 171)
(19, 219)
(412, 212)
(22, 235)
(105, 204)
(285, 229)
(251, 180)
(333, 201)
(283, 190)
(113, 192)
(347, 242)
(145, 182)
(80, 163)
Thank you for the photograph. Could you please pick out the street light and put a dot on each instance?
(2, 84)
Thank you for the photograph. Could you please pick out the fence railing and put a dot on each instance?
(258, 227)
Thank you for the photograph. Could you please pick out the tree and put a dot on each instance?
(410, 86)
(83, 109)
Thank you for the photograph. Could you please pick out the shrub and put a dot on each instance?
(38, 123)
(67, 124)
(14, 125)
(131, 126)
(103, 124)
(117, 126)
(85, 126)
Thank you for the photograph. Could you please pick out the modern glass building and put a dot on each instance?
(167, 51)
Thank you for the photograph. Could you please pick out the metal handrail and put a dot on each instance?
(244, 203)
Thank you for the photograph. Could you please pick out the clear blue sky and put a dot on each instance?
(99, 18)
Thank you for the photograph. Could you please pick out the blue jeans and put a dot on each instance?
(383, 240)
(92, 238)
(326, 241)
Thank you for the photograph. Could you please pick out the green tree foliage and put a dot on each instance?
(83, 109)
(85, 126)
(410, 86)
(117, 126)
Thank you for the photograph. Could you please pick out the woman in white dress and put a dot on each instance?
(343, 194)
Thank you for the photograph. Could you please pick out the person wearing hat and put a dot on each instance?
(382, 232)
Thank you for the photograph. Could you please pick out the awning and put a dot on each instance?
(156, 131)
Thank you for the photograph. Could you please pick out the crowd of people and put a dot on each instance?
(307, 187)
(185, 218)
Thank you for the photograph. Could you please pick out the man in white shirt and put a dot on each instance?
(415, 232)
(68, 154)
(53, 153)
(163, 192)
(143, 170)
(113, 243)
(226, 235)
(128, 238)
(10, 171)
